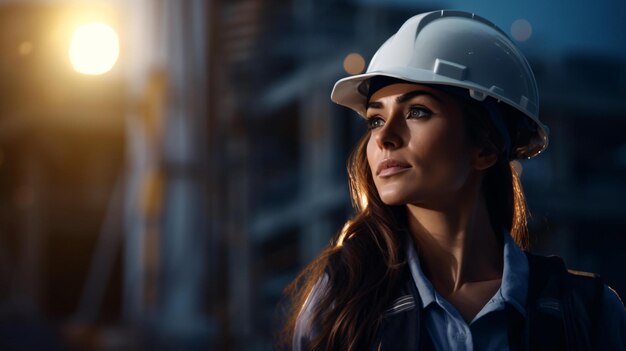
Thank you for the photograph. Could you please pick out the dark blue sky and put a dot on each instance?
(558, 26)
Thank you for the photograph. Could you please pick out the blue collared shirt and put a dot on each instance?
(488, 330)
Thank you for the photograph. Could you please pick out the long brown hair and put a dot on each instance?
(365, 260)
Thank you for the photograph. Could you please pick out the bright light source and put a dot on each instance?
(94, 48)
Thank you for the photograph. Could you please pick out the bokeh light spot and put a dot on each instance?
(521, 30)
(354, 63)
(25, 48)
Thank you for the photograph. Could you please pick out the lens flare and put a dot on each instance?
(94, 48)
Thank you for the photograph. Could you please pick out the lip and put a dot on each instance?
(389, 167)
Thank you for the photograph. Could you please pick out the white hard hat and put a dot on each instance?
(459, 49)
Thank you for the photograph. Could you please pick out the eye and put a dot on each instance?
(375, 122)
(418, 112)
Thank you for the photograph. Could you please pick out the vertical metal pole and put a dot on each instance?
(316, 141)
(134, 224)
(184, 236)
(239, 258)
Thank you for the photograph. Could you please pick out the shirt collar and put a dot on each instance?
(424, 286)
(513, 289)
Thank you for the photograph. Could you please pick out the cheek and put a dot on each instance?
(371, 151)
(447, 140)
(441, 154)
(454, 170)
(428, 148)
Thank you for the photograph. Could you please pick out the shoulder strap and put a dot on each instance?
(544, 322)
(582, 305)
(562, 305)
(402, 327)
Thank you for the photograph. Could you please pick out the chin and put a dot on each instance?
(393, 199)
(394, 203)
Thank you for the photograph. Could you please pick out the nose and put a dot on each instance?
(389, 136)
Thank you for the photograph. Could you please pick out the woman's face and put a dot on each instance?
(418, 151)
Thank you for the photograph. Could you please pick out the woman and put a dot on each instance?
(433, 257)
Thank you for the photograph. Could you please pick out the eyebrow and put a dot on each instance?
(404, 98)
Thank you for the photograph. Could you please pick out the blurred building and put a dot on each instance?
(166, 204)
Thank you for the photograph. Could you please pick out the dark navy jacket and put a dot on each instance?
(567, 310)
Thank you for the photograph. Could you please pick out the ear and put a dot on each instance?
(484, 158)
